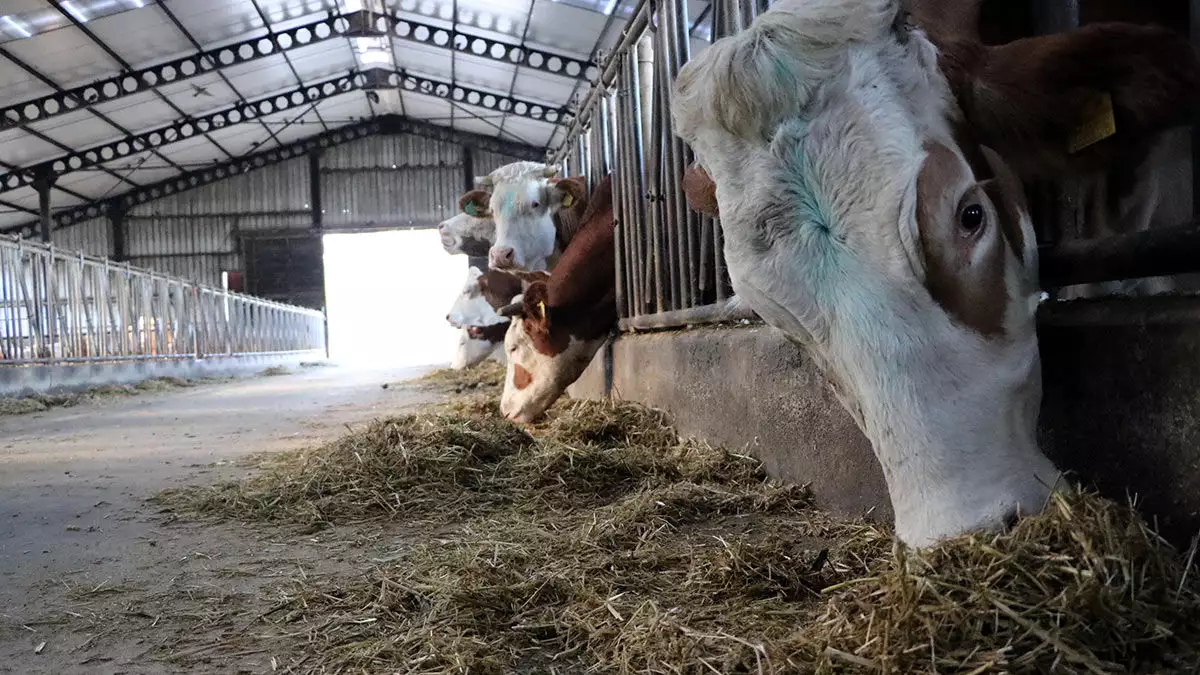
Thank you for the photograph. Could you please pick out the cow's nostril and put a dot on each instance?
(1011, 519)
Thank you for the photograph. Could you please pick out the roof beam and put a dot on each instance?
(249, 111)
(354, 24)
(386, 124)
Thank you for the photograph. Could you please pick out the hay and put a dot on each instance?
(275, 371)
(94, 395)
(486, 377)
(1086, 587)
(603, 543)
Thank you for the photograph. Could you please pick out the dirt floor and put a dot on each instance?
(94, 579)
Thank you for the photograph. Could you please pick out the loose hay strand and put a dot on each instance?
(602, 542)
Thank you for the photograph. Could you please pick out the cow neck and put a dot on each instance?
(580, 292)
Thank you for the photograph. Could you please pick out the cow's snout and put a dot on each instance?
(502, 257)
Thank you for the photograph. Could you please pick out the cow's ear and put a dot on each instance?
(569, 193)
(534, 309)
(476, 203)
(700, 191)
(1080, 101)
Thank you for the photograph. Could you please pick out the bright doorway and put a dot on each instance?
(388, 294)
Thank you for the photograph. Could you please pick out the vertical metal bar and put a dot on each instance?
(620, 193)
(42, 184)
(1194, 32)
(676, 28)
(674, 230)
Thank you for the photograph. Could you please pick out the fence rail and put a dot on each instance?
(670, 267)
(57, 306)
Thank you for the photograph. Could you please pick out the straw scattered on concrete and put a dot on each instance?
(100, 394)
(603, 543)
(485, 377)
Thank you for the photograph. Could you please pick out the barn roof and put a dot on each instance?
(104, 98)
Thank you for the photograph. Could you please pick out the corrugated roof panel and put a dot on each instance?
(243, 139)
(476, 126)
(344, 109)
(78, 129)
(214, 22)
(423, 59)
(158, 39)
(194, 150)
(20, 148)
(321, 61)
(264, 76)
(529, 131)
(94, 184)
(19, 85)
(480, 72)
(495, 18)
(535, 86)
(62, 200)
(25, 196)
(66, 56)
(139, 112)
(422, 107)
(563, 28)
(150, 173)
(308, 124)
(12, 217)
(199, 95)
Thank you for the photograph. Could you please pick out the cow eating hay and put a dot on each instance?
(601, 541)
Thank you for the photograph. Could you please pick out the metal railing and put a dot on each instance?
(57, 306)
(670, 266)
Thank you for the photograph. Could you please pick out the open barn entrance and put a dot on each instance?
(388, 294)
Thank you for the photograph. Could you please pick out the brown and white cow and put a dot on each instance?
(476, 344)
(869, 215)
(464, 234)
(536, 214)
(563, 320)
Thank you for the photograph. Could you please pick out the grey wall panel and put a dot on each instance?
(487, 162)
(281, 187)
(176, 235)
(205, 269)
(386, 152)
(390, 198)
(92, 237)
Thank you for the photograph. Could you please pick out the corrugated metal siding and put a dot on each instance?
(205, 269)
(280, 187)
(487, 162)
(92, 237)
(390, 181)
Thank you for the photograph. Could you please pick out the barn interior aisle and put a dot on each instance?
(79, 543)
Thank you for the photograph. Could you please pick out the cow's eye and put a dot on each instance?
(536, 204)
(970, 219)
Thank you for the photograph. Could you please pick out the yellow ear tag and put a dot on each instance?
(1096, 123)
(542, 308)
(568, 200)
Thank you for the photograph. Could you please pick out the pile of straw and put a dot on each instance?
(99, 394)
(601, 542)
(486, 378)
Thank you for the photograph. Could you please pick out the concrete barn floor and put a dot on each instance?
(95, 580)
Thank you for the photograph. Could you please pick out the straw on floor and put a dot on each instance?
(599, 542)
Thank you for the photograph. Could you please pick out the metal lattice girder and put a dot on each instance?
(374, 78)
(476, 97)
(355, 24)
(386, 124)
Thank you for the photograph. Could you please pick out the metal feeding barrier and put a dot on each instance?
(62, 307)
(670, 266)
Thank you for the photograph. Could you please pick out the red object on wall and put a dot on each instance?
(235, 281)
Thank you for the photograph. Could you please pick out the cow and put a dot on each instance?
(464, 234)
(562, 320)
(481, 295)
(535, 212)
(868, 185)
(477, 344)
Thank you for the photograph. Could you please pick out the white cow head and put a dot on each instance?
(860, 221)
(464, 234)
(474, 350)
(471, 308)
(528, 205)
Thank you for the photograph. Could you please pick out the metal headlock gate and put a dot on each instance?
(670, 265)
(57, 306)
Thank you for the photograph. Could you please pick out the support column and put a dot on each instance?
(314, 188)
(116, 222)
(42, 184)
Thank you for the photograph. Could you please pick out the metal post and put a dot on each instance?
(314, 188)
(468, 162)
(116, 223)
(42, 184)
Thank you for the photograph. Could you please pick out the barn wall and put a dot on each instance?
(1119, 407)
(379, 182)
